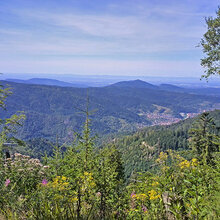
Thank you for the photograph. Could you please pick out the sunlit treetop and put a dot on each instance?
(211, 46)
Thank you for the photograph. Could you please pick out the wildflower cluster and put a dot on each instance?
(155, 183)
(184, 164)
(153, 194)
(194, 162)
(60, 183)
(23, 173)
(162, 157)
(22, 164)
(141, 196)
(87, 182)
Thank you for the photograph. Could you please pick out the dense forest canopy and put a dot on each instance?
(53, 111)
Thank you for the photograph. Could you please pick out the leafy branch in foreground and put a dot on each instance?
(8, 126)
(211, 46)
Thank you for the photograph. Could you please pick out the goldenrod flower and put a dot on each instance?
(194, 162)
(153, 194)
(184, 164)
(155, 184)
(63, 178)
(162, 157)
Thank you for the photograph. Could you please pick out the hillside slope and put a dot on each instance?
(54, 111)
(139, 149)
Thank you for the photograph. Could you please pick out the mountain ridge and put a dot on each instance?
(53, 110)
(134, 84)
(47, 81)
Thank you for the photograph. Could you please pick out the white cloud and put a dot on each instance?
(116, 34)
(54, 41)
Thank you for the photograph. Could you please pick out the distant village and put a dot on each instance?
(168, 119)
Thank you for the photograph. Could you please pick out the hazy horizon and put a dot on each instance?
(103, 80)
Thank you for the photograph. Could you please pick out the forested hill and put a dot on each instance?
(140, 149)
(55, 111)
(135, 84)
(49, 82)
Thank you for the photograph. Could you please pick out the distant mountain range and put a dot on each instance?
(121, 107)
(104, 80)
(131, 83)
(49, 82)
(168, 87)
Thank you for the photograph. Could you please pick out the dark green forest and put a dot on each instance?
(140, 149)
(55, 112)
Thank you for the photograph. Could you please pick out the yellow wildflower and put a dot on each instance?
(155, 184)
(162, 157)
(153, 194)
(65, 184)
(59, 183)
(74, 199)
(184, 164)
(194, 162)
(141, 196)
(86, 173)
(63, 178)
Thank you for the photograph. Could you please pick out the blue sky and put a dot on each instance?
(103, 37)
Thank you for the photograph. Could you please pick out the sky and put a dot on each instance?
(103, 37)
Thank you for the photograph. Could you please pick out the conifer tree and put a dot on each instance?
(204, 141)
(110, 181)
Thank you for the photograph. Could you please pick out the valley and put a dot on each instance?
(56, 111)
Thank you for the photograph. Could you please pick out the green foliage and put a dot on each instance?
(211, 46)
(4, 93)
(181, 189)
(85, 183)
(81, 182)
(8, 126)
(204, 140)
(38, 147)
(20, 177)
(110, 183)
(140, 149)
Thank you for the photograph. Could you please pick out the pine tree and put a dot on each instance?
(204, 141)
(110, 181)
